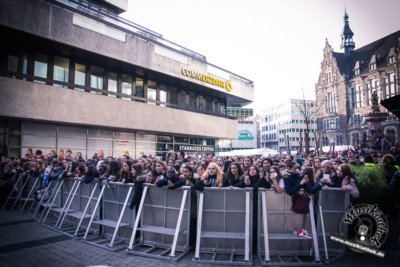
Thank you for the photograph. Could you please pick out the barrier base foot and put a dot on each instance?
(157, 251)
(223, 258)
(289, 259)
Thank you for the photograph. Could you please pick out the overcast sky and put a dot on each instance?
(276, 43)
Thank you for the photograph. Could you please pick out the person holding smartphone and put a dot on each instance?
(327, 175)
(294, 182)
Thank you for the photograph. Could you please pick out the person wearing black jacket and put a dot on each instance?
(171, 181)
(294, 182)
(234, 175)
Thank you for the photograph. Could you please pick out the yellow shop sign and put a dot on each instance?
(207, 79)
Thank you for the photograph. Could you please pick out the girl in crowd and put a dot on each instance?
(220, 162)
(316, 164)
(139, 179)
(114, 170)
(247, 162)
(295, 182)
(327, 175)
(170, 162)
(199, 171)
(274, 179)
(266, 164)
(161, 167)
(349, 182)
(90, 174)
(235, 175)
(212, 177)
(125, 171)
(78, 156)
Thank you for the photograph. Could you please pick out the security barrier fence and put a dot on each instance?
(331, 205)
(278, 244)
(224, 226)
(164, 217)
(99, 214)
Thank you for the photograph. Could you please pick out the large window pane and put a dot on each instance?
(24, 65)
(112, 83)
(98, 133)
(126, 85)
(96, 77)
(208, 103)
(163, 94)
(12, 63)
(201, 102)
(71, 131)
(139, 87)
(151, 91)
(61, 70)
(173, 95)
(42, 129)
(182, 99)
(192, 100)
(40, 67)
(80, 75)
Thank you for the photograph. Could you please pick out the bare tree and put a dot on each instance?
(308, 112)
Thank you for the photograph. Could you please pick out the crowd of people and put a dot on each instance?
(294, 175)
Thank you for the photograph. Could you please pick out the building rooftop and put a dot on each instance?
(365, 55)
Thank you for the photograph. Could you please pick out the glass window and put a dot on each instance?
(24, 65)
(96, 77)
(180, 139)
(126, 85)
(163, 94)
(80, 75)
(216, 106)
(40, 67)
(12, 63)
(112, 83)
(173, 95)
(201, 102)
(208, 103)
(196, 141)
(139, 87)
(61, 70)
(222, 108)
(151, 91)
(192, 100)
(182, 98)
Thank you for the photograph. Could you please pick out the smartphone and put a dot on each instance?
(326, 177)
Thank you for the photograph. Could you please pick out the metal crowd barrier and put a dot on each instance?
(115, 220)
(224, 226)
(51, 198)
(277, 244)
(164, 217)
(15, 190)
(33, 186)
(332, 203)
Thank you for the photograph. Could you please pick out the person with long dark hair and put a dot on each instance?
(235, 175)
(349, 182)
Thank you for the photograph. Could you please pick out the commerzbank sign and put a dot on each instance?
(207, 79)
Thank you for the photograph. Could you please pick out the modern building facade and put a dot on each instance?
(284, 126)
(346, 84)
(75, 75)
(247, 134)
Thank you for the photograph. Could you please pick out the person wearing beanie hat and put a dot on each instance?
(299, 160)
(327, 175)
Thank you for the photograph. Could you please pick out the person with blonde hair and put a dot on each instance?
(212, 177)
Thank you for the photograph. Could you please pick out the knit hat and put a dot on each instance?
(326, 163)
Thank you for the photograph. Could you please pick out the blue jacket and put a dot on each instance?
(292, 185)
(175, 181)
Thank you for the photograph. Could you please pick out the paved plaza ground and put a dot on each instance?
(25, 242)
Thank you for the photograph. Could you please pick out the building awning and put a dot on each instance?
(392, 104)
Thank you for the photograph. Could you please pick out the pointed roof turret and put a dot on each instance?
(347, 36)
